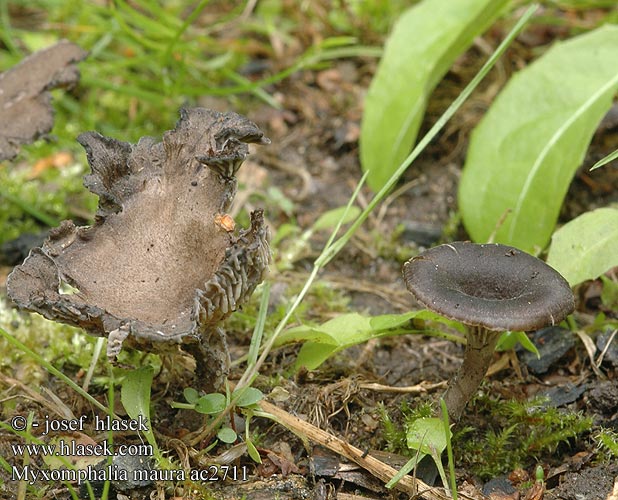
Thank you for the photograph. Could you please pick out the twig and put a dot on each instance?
(421, 388)
(372, 465)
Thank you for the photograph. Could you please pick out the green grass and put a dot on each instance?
(519, 434)
(146, 60)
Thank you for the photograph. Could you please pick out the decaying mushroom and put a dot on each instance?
(491, 288)
(25, 109)
(157, 268)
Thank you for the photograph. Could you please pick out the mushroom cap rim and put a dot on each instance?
(493, 286)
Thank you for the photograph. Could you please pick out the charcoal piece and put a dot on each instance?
(611, 351)
(25, 102)
(552, 343)
(562, 395)
(499, 487)
(603, 398)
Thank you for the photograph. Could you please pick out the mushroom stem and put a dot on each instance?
(477, 358)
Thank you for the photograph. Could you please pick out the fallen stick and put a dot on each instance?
(384, 472)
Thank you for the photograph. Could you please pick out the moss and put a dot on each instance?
(607, 445)
(504, 436)
(395, 432)
(57, 192)
(514, 434)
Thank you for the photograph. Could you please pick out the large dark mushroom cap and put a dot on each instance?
(155, 267)
(493, 286)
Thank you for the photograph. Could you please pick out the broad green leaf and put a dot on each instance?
(424, 43)
(524, 153)
(334, 331)
(211, 404)
(586, 247)
(322, 341)
(312, 355)
(391, 321)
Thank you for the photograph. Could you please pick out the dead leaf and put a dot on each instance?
(536, 492)
(56, 160)
(285, 466)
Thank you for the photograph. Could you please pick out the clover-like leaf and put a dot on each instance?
(211, 404)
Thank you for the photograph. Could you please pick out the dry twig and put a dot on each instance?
(374, 466)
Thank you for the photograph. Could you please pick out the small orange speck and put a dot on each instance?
(225, 222)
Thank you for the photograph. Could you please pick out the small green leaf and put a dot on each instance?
(427, 435)
(249, 396)
(586, 247)
(211, 404)
(135, 392)
(322, 341)
(227, 435)
(135, 397)
(508, 340)
(253, 453)
(407, 467)
(524, 153)
(191, 395)
(424, 43)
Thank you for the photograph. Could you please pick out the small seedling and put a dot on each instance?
(215, 404)
(426, 436)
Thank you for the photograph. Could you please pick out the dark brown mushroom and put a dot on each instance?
(25, 102)
(491, 288)
(156, 269)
